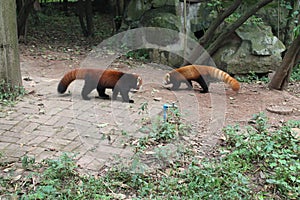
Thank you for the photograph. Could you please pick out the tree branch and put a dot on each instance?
(231, 28)
(216, 23)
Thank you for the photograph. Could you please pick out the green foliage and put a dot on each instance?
(27, 162)
(215, 4)
(253, 163)
(252, 77)
(140, 54)
(272, 155)
(9, 94)
(164, 130)
(295, 75)
(296, 31)
(253, 20)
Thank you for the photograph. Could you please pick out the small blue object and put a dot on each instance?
(165, 108)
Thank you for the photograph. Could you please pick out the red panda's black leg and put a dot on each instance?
(176, 85)
(125, 96)
(101, 92)
(115, 93)
(203, 84)
(189, 85)
(86, 90)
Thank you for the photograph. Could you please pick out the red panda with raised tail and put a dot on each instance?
(201, 74)
(100, 79)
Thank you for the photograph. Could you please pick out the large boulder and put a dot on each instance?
(253, 48)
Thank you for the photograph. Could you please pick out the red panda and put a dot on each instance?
(201, 74)
(100, 79)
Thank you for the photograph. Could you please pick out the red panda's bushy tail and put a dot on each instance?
(68, 78)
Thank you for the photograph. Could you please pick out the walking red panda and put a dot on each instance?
(100, 79)
(201, 74)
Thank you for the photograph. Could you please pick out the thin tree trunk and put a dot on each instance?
(23, 16)
(81, 14)
(9, 54)
(89, 17)
(65, 7)
(291, 58)
(85, 12)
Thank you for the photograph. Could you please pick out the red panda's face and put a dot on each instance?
(166, 80)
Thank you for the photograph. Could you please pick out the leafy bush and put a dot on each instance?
(295, 76)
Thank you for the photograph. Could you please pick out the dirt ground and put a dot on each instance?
(207, 113)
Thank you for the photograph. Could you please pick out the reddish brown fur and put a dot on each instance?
(195, 72)
(101, 79)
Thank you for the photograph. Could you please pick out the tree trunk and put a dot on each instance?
(80, 8)
(89, 17)
(65, 7)
(291, 58)
(85, 12)
(9, 54)
(26, 7)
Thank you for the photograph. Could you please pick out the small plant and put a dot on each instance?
(9, 94)
(143, 108)
(164, 130)
(27, 162)
(140, 54)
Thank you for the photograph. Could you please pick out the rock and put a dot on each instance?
(251, 49)
(163, 19)
(282, 110)
(262, 40)
(296, 133)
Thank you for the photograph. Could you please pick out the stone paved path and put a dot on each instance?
(44, 124)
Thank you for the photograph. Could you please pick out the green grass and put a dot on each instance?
(255, 162)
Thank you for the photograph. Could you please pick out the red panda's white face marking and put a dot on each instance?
(166, 80)
(139, 83)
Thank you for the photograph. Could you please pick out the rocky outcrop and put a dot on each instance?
(253, 48)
